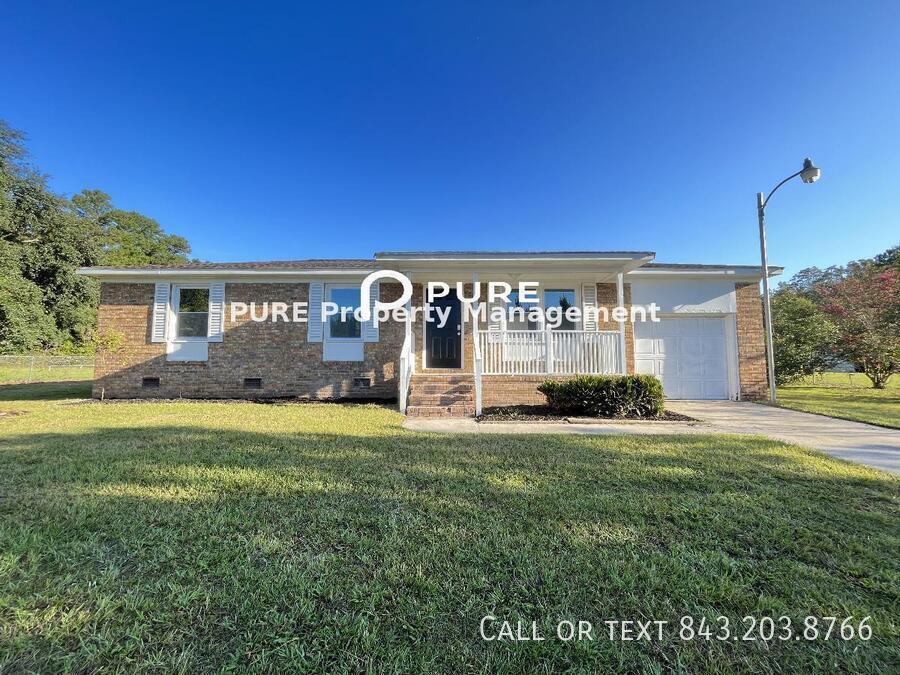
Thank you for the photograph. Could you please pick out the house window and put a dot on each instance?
(344, 326)
(562, 298)
(515, 318)
(191, 312)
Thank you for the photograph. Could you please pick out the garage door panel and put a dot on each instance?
(715, 389)
(690, 368)
(688, 354)
(644, 346)
(712, 327)
(690, 347)
(712, 346)
(668, 345)
(691, 389)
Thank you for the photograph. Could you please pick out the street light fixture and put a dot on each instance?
(810, 173)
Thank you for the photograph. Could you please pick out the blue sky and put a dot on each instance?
(339, 129)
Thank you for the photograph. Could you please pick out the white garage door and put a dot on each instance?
(687, 354)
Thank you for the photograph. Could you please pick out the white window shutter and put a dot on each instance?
(370, 328)
(216, 329)
(589, 302)
(495, 326)
(158, 331)
(314, 314)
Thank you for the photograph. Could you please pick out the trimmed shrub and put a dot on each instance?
(605, 395)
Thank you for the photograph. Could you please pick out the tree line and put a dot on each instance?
(848, 313)
(45, 237)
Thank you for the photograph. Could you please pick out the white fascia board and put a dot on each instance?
(470, 258)
(137, 275)
(732, 274)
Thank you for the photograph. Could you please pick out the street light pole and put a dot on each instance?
(808, 174)
(767, 303)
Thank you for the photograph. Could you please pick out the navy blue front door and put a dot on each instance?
(443, 344)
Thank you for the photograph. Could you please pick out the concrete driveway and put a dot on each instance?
(864, 443)
(870, 445)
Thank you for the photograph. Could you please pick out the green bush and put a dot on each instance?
(605, 396)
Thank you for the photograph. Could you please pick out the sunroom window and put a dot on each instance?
(192, 313)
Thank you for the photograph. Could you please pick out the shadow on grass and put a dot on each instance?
(45, 391)
(227, 545)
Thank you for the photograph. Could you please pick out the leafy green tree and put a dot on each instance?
(44, 238)
(24, 324)
(129, 238)
(890, 259)
(44, 242)
(804, 337)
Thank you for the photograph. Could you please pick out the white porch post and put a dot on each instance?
(478, 366)
(408, 330)
(620, 301)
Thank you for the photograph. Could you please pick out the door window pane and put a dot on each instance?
(563, 299)
(193, 312)
(344, 327)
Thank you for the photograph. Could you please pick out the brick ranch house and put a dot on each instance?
(171, 331)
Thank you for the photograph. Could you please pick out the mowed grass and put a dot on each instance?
(189, 537)
(848, 396)
(42, 373)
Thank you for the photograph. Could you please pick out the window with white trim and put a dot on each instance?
(562, 298)
(190, 305)
(343, 325)
(516, 309)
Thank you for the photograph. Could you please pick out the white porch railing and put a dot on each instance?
(479, 368)
(550, 352)
(407, 368)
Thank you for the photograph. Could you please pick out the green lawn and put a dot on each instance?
(186, 537)
(42, 373)
(846, 395)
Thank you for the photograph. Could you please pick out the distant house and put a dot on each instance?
(179, 337)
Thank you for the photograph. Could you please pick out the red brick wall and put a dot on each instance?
(606, 297)
(501, 390)
(276, 352)
(751, 342)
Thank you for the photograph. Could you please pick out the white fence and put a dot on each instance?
(40, 368)
(550, 352)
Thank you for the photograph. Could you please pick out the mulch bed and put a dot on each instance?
(541, 413)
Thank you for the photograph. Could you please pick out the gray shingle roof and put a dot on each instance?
(313, 264)
(437, 254)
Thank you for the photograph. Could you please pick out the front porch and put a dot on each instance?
(507, 367)
(504, 361)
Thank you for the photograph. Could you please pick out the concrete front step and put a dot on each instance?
(442, 379)
(441, 395)
(433, 388)
(417, 399)
(454, 410)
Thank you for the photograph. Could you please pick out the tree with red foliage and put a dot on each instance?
(865, 307)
